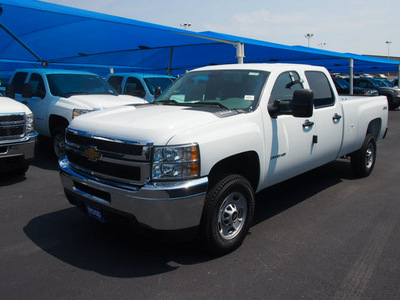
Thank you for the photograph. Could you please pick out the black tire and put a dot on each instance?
(58, 139)
(363, 161)
(390, 102)
(227, 215)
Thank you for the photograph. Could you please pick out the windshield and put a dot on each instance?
(377, 83)
(230, 89)
(65, 85)
(154, 82)
(342, 83)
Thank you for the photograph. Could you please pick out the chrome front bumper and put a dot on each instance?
(162, 205)
(24, 148)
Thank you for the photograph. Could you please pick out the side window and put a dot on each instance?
(116, 83)
(283, 90)
(37, 84)
(18, 81)
(134, 87)
(319, 84)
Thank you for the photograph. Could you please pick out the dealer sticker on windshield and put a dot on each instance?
(95, 213)
(249, 97)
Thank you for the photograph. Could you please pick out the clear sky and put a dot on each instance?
(357, 26)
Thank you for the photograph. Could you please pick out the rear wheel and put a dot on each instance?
(227, 215)
(363, 160)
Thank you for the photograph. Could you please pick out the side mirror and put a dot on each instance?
(157, 92)
(27, 91)
(10, 91)
(303, 103)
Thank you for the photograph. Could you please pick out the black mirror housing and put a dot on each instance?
(303, 103)
(10, 91)
(27, 91)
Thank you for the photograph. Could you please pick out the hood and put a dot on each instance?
(8, 105)
(102, 101)
(152, 123)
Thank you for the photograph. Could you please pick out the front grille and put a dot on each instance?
(127, 172)
(12, 126)
(108, 159)
(104, 145)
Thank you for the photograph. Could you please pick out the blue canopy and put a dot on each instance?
(44, 34)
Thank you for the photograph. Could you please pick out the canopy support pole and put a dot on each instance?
(351, 73)
(239, 52)
(44, 63)
(170, 61)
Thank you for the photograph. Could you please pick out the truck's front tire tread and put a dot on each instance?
(227, 215)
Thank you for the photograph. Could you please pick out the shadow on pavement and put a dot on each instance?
(113, 251)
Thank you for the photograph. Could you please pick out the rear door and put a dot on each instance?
(328, 117)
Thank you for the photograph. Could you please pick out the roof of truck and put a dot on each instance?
(54, 71)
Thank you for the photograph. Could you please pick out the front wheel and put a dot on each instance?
(227, 215)
(363, 160)
(58, 138)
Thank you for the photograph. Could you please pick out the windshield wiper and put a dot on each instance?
(214, 103)
(167, 101)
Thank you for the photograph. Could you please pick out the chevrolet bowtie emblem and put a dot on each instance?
(92, 154)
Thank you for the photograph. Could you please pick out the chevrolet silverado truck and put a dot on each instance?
(18, 138)
(196, 156)
(57, 96)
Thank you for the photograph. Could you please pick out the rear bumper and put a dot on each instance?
(161, 206)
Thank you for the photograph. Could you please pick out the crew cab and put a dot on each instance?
(196, 156)
(57, 96)
(140, 85)
(18, 139)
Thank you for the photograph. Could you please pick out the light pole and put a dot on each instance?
(321, 45)
(308, 37)
(388, 43)
(186, 25)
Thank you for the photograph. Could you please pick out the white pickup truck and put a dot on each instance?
(57, 96)
(18, 138)
(196, 156)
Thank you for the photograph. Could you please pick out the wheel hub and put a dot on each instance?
(232, 215)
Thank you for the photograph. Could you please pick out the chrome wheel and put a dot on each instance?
(369, 156)
(59, 144)
(232, 215)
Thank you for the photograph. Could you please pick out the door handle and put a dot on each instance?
(308, 123)
(336, 117)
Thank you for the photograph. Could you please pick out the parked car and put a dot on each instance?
(57, 96)
(392, 93)
(343, 88)
(139, 84)
(18, 138)
(194, 158)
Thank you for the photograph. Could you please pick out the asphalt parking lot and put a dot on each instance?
(321, 235)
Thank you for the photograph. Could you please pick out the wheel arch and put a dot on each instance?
(246, 164)
(374, 128)
(56, 121)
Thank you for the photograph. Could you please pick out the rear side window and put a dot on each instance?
(18, 81)
(323, 95)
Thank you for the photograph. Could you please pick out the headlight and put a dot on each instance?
(77, 112)
(29, 123)
(176, 162)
